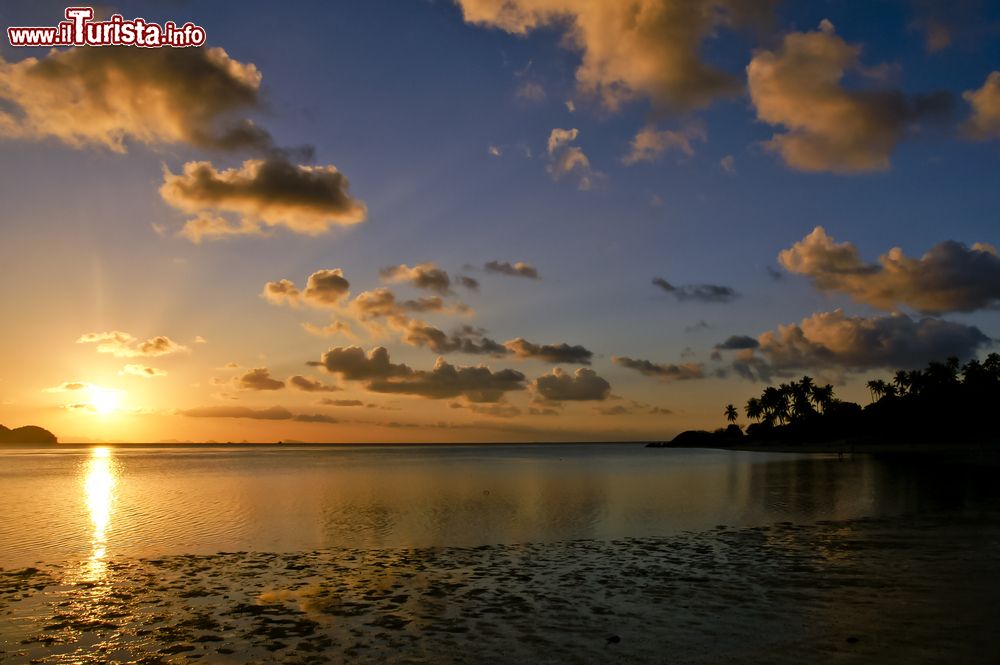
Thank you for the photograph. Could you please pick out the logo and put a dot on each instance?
(79, 29)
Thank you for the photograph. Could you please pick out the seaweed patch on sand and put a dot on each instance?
(886, 590)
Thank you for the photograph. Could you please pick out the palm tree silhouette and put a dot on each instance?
(823, 396)
(877, 389)
(731, 413)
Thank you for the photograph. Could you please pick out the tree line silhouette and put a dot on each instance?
(944, 402)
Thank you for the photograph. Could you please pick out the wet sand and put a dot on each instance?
(900, 590)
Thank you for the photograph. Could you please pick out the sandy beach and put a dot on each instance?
(891, 590)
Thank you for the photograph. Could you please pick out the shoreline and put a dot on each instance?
(986, 450)
(885, 590)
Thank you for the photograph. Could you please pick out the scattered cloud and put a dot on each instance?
(697, 292)
(309, 385)
(664, 372)
(830, 128)
(468, 282)
(498, 410)
(272, 413)
(382, 303)
(728, 164)
(123, 345)
(531, 91)
(561, 353)
(107, 96)
(272, 191)
(315, 418)
(68, 386)
(984, 125)
(324, 288)
(519, 269)
(937, 35)
(423, 276)
(465, 339)
(838, 341)
(582, 385)
(326, 401)
(494, 151)
(353, 364)
(631, 49)
(476, 384)
(143, 371)
(738, 342)
(649, 144)
(951, 277)
(568, 159)
(258, 379)
(208, 226)
(329, 330)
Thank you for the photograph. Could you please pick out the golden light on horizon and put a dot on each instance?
(99, 485)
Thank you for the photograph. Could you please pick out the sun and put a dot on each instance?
(104, 400)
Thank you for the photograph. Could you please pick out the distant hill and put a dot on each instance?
(27, 434)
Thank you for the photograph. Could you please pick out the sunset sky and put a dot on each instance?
(490, 220)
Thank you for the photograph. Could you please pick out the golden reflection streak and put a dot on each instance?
(99, 486)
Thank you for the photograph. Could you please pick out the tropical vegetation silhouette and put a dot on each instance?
(942, 403)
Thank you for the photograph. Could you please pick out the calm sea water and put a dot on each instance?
(72, 503)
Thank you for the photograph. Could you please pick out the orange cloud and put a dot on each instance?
(550, 353)
(258, 379)
(105, 96)
(583, 385)
(631, 48)
(951, 277)
(649, 144)
(476, 384)
(324, 288)
(123, 345)
(566, 158)
(272, 191)
(423, 276)
(984, 124)
(829, 128)
(836, 340)
(143, 371)
(664, 372)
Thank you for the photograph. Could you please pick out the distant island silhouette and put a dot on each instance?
(946, 403)
(27, 434)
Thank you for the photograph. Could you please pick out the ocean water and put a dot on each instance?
(69, 503)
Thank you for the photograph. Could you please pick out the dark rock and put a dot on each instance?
(26, 434)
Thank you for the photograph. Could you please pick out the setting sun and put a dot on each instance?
(104, 400)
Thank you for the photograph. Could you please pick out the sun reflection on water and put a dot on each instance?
(99, 487)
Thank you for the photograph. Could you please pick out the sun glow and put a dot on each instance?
(104, 400)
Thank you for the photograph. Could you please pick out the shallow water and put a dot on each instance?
(494, 554)
(101, 503)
